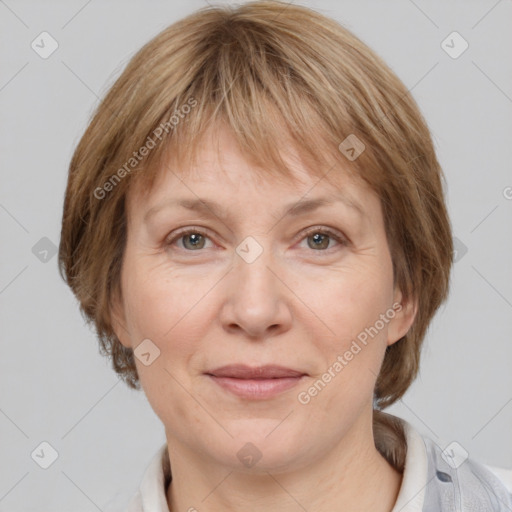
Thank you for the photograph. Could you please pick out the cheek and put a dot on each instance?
(352, 307)
(174, 311)
(161, 301)
(171, 313)
(352, 300)
(353, 356)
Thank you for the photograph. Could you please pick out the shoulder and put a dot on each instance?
(503, 474)
(458, 482)
(437, 479)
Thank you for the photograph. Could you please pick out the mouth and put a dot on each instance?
(256, 382)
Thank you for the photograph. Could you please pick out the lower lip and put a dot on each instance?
(256, 388)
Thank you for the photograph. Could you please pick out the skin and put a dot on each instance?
(296, 305)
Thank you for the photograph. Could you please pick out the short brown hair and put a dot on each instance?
(269, 70)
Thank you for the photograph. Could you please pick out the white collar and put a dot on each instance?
(414, 479)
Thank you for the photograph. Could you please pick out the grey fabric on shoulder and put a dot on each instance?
(459, 484)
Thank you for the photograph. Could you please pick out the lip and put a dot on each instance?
(260, 382)
(242, 371)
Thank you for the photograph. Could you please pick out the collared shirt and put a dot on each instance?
(434, 480)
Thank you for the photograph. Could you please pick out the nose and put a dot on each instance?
(256, 299)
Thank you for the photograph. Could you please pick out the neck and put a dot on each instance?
(353, 475)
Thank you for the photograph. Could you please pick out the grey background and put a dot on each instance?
(55, 387)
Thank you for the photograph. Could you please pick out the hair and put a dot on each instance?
(276, 75)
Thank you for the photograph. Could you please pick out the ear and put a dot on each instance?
(405, 313)
(118, 319)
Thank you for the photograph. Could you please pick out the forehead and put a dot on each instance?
(218, 162)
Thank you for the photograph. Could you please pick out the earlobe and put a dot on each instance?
(405, 313)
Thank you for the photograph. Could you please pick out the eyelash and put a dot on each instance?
(311, 231)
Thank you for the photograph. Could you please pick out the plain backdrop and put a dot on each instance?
(55, 388)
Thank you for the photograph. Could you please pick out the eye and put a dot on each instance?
(193, 239)
(319, 238)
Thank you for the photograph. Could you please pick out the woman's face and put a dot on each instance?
(254, 283)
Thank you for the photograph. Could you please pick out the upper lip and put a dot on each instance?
(242, 371)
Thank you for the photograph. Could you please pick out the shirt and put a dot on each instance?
(433, 480)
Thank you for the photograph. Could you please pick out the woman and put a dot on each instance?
(255, 223)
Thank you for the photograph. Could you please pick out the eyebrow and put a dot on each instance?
(211, 208)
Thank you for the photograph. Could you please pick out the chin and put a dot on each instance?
(260, 446)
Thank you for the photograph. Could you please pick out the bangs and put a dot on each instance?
(250, 87)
